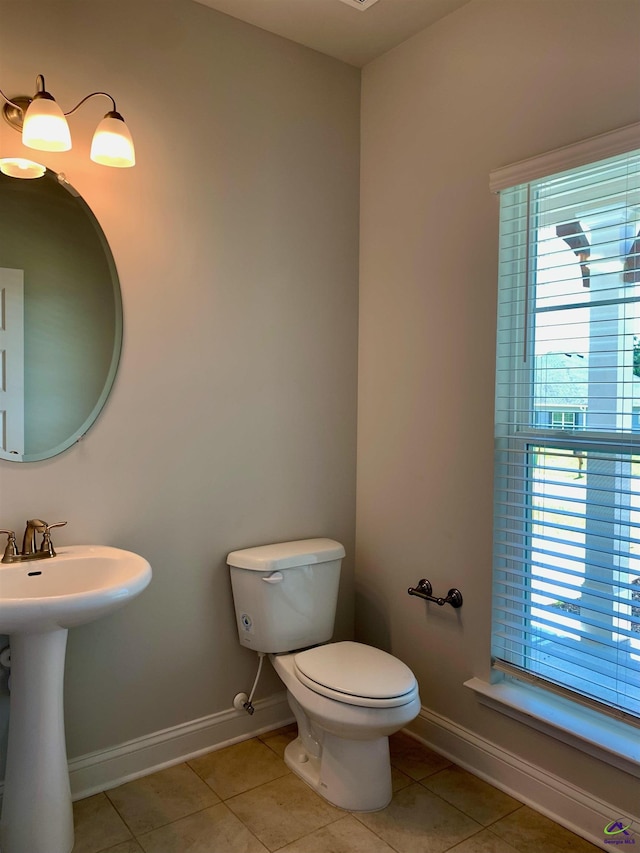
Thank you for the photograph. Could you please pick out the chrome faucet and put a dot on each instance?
(29, 551)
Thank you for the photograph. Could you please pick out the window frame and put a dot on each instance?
(599, 148)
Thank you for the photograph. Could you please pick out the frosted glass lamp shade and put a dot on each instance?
(45, 128)
(112, 144)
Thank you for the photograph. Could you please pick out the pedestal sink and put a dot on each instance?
(39, 601)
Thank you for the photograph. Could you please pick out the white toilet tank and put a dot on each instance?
(285, 595)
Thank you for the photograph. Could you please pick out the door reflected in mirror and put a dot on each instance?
(60, 317)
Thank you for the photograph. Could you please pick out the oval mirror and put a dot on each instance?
(60, 317)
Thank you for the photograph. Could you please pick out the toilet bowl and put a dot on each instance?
(342, 748)
(347, 697)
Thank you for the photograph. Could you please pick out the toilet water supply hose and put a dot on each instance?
(242, 701)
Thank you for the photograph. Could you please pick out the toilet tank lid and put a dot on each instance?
(286, 555)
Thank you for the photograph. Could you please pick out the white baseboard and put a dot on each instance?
(98, 771)
(548, 794)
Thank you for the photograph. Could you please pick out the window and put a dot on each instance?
(567, 481)
(565, 420)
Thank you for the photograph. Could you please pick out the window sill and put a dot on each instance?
(609, 740)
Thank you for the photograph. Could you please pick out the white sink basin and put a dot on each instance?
(80, 584)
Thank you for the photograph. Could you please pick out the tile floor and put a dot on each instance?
(243, 799)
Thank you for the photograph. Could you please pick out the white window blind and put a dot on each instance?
(567, 480)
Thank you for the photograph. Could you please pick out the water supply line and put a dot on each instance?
(241, 700)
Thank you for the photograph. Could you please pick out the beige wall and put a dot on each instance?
(494, 83)
(232, 420)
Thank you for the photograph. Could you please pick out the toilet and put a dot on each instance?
(347, 698)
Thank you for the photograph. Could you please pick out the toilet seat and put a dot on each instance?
(356, 674)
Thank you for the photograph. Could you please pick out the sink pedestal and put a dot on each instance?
(37, 815)
(38, 604)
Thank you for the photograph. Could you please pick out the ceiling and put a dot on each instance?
(354, 35)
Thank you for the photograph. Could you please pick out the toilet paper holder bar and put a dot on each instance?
(424, 590)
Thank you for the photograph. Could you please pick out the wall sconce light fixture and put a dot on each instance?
(44, 127)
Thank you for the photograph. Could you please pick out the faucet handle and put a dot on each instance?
(47, 544)
(11, 548)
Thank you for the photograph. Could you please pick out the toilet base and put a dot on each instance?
(352, 774)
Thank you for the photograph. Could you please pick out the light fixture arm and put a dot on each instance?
(92, 95)
(9, 101)
(21, 102)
